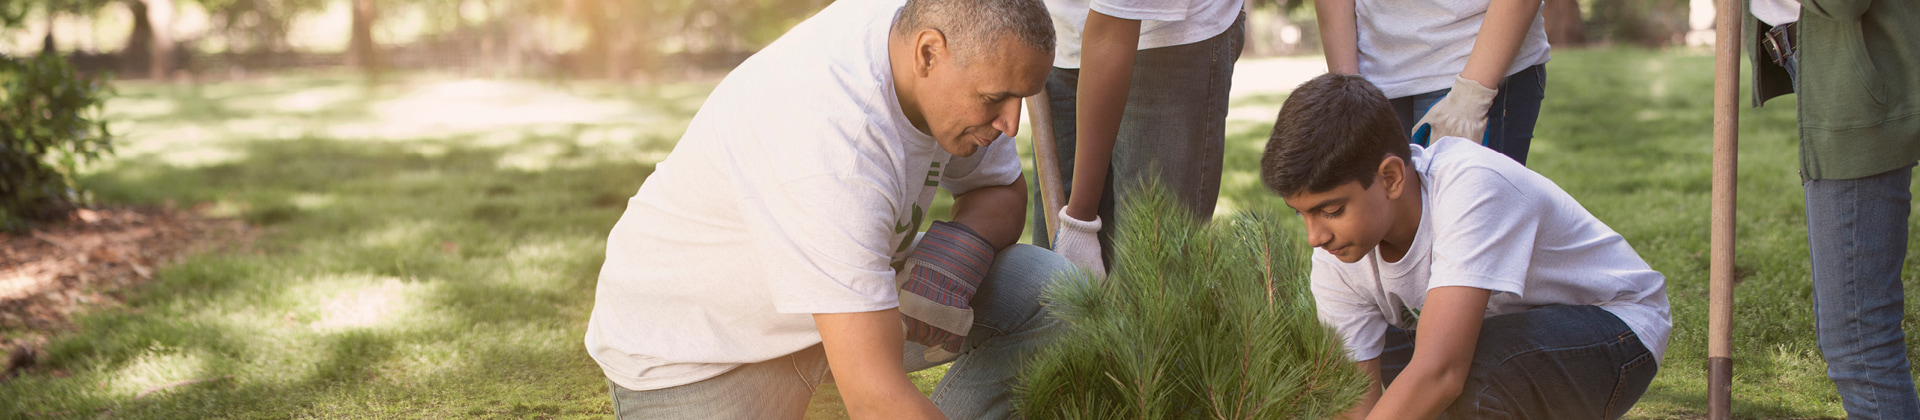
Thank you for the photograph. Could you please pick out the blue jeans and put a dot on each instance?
(1857, 235)
(1009, 326)
(1510, 119)
(1173, 131)
(1552, 362)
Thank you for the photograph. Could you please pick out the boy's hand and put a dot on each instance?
(1462, 113)
(1078, 241)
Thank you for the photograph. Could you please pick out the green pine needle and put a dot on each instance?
(1197, 320)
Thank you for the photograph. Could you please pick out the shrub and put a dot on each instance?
(1196, 321)
(49, 126)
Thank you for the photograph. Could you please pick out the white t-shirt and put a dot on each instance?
(1163, 23)
(1410, 47)
(795, 190)
(1488, 222)
(1776, 12)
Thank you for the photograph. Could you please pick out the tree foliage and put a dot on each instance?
(258, 25)
(1197, 320)
(49, 126)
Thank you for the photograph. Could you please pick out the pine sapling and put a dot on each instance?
(1196, 320)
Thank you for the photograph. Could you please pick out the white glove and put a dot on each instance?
(1462, 113)
(1079, 241)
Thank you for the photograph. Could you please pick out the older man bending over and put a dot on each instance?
(776, 246)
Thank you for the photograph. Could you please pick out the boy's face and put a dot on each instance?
(1348, 221)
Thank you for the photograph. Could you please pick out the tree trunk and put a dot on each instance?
(160, 31)
(361, 51)
(1564, 27)
(599, 58)
(134, 57)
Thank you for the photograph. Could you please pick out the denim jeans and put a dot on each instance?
(1509, 120)
(1173, 131)
(1009, 326)
(1857, 235)
(1552, 362)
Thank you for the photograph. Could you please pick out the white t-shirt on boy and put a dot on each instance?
(1488, 222)
(796, 190)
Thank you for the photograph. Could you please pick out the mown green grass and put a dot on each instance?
(428, 247)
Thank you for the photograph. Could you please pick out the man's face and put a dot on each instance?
(969, 106)
(1348, 221)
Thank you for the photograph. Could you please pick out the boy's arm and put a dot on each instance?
(864, 351)
(1108, 45)
(1501, 32)
(1443, 351)
(1372, 397)
(1339, 35)
(1107, 50)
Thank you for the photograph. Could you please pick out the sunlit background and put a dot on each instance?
(426, 188)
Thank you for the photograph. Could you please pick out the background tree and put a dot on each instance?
(150, 46)
(361, 50)
(1650, 23)
(1564, 27)
(49, 126)
(257, 26)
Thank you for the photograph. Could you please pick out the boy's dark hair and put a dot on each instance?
(1332, 130)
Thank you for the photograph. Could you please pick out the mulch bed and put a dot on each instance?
(56, 270)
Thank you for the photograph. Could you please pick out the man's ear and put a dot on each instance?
(929, 46)
(1393, 175)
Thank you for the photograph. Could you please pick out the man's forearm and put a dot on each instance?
(998, 214)
(1106, 75)
(1499, 41)
(864, 351)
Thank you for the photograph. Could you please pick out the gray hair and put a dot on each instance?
(971, 26)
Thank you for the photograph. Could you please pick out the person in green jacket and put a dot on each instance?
(1855, 65)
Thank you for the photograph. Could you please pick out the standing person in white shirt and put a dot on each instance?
(1139, 92)
(1536, 311)
(1465, 68)
(775, 247)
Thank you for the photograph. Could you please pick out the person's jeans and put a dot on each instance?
(1509, 120)
(1173, 131)
(1552, 362)
(1857, 235)
(1009, 326)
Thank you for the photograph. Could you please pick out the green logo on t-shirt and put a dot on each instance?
(906, 241)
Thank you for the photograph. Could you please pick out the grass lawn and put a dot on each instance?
(431, 244)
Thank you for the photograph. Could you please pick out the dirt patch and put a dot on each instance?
(56, 270)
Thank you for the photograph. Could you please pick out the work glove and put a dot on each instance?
(1079, 241)
(940, 276)
(1462, 113)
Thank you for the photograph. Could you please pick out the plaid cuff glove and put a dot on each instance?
(941, 275)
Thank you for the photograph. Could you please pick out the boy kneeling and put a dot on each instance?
(1464, 283)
